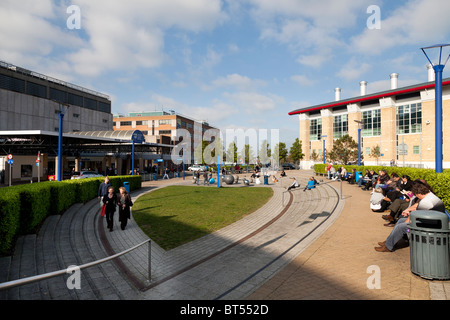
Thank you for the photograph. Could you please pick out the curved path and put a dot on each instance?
(230, 263)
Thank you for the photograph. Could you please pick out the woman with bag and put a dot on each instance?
(110, 200)
(124, 202)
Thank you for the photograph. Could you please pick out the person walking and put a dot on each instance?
(124, 202)
(110, 200)
(103, 190)
(166, 174)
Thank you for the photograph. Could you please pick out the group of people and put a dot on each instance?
(399, 196)
(109, 201)
(312, 182)
(420, 197)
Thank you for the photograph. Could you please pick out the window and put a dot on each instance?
(142, 123)
(75, 100)
(368, 151)
(165, 131)
(13, 84)
(125, 123)
(371, 121)
(409, 118)
(58, 95)
(76, 115)
(90, 104)
(165, 121)
(416, 149)
(37, 90)
(315, 129)
(340, 126)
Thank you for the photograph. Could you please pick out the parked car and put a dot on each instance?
(289, 166)
(197, 167)
(87, 174)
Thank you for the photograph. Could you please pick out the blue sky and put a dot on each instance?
(241, 64)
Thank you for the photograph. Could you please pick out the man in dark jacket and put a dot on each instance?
(103, 190)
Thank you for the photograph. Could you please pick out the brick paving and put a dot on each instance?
(301, 245)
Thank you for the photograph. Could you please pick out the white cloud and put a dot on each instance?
(417, 22)
(303, 80)
(353, 70)
(237, 81)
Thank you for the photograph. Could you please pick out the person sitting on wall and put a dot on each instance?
(294, 184)
(283, 174)
(311, 184)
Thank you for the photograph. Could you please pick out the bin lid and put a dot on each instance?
(430, 219)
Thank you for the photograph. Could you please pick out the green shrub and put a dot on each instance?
(9, 218)
(24, 207)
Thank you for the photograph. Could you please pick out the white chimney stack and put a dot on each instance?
(337, 94)
(394, 80)
(363, 86)
(431, 73)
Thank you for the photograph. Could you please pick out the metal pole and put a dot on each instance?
(39, 167)
(183, 166)
(323, 151)
(149, 261)
(342, 196)
(132, 158)
(61, 117)
(438, 111)
(10, 173)
(359, 146)
(218, 171)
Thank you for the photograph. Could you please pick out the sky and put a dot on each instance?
(237, 64)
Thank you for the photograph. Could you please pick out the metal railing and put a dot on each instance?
(20, 282)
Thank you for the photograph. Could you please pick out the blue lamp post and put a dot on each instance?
(323, 148)
(359, 141)
(60, 138)
(438, 69)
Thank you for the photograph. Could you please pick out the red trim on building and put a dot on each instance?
(366, 98)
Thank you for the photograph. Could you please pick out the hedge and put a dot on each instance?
(24, 207)
(440, 182)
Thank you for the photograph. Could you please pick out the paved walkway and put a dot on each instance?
(300, 245)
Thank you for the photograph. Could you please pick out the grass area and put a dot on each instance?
(176, 215)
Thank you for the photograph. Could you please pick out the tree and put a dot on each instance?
(264, 152)
(232, 153)
(344, 150)
(280, 152)
(296, 153)
(247, 154)
(375, 152)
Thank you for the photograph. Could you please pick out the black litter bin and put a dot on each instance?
(429, 244)
(266, 180)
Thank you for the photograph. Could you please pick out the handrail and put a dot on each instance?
(19, 282)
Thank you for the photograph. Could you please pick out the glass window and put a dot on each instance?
(416, 149)
(371, 123)
(315, 129)
(125, 123)
(340, 126)
(165, 121)
(409, 118)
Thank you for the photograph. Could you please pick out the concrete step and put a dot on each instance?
(65, 240)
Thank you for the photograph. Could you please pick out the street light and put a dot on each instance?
(359, 141)
(60, 137)
(438, 69)
(323, 148)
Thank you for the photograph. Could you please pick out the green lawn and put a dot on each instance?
(176, 215)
